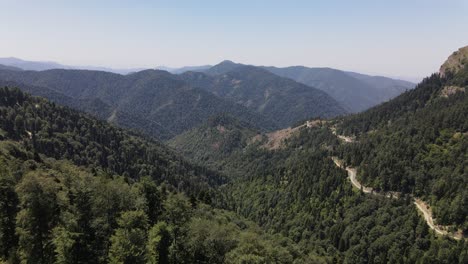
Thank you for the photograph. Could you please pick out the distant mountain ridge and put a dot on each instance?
(155, 102)
(354, 91)
(281, 99)
(49, 65)
(162, 104)
(10, 68)
(357, 92)
(184, 69)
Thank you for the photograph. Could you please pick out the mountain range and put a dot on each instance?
(152, 101)
(281, 99)
(66, 175)
(411, 148)
(163, 105)
(243, 176)
(414, 145)
(355, 92)
(50, 65)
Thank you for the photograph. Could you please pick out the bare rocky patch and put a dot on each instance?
(455, 62)
(275, 140)
(451, 90)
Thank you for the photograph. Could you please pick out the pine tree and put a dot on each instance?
(129, 240)
(159, 240)
(8, 210)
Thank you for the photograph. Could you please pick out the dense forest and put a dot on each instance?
(61, 133)
(298, 192)
(68, 196)
(215, 141)
(75, 189)
(55, 212)
(280, 99)
(154, 102)
(417, 144)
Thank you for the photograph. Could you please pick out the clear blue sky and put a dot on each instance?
(396, 38)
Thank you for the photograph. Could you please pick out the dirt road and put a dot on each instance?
(423, 207)
(352, 176)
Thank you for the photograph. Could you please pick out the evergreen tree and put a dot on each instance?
(8, 210)
(38, 215)
(130, 238)
(159, 241)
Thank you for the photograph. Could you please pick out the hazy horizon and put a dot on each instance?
(404, 40)
(414, 79)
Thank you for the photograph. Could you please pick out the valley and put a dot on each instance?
(277, 175)
(233, 163)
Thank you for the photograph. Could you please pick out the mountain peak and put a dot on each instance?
(455, 62)
(226, 62)
(222, 67)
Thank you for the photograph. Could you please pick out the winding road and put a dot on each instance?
(423, 207)
(352, 176)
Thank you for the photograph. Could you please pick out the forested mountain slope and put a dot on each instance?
(62, 133)
(357, 92)
(96, 108)
(155, 102)
(11, 68)
(214, 142)
(388, 87)
(280, 99)
(77, 190)
(418, 144)
(298, 191)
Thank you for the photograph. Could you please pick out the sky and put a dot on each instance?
(408, 38)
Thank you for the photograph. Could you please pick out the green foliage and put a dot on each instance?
(76, 190)
(61, 133)
(129, 240)
(70, 214)
(215, 141)
(37, 218)
(298, 192)
(64, 242)
(280, 99)
(159, 241)
(157, 103)
(417, 144)
(8, 209)
(77, 209)
(153, 199)
(306, 197)
(209, 241)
